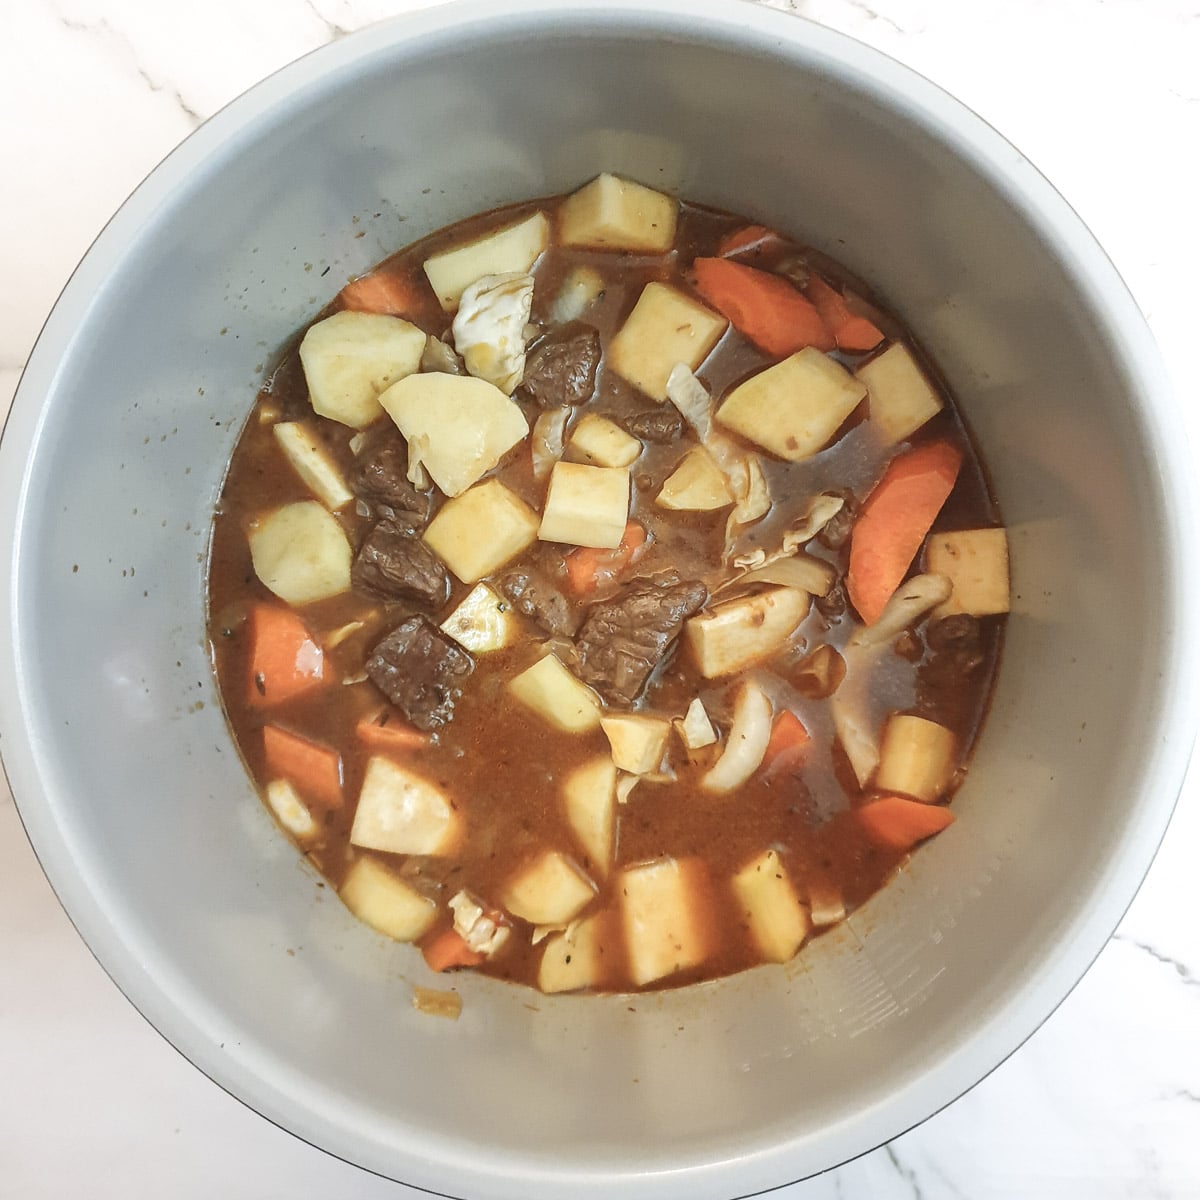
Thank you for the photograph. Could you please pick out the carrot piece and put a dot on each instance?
(765, 307)
(447, 950)
(393, 295)
(894, 521)
(284, 660)
(588, 567)
(851, 332)
(385, 732)
(753, 239)
(901, 823)
(315, 769)
(788, 743)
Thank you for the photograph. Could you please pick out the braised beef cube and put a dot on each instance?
(395, 564)
(657, 425)
(622, 640)
(955, 653)
(421, 671)
(380, 477)
(832, 606)
(539, 600)
(561, 366)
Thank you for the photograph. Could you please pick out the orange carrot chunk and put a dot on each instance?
(752, 239)
(894, 521)
(901, 823)
(448, 949)
(385, 292)
(853, 333)
(788, 743)
(764, 307)
(588, 568)
(387, 732)
(284, 660)
(314, 769)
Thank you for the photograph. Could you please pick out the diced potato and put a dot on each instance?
(571, 960)
(603, 443)
(916, 758)
(638, 743)
(976, 563)
(552, 890)
(581, 288)
(483, 621)
(291, 811)
(696, 485)
(695, 729)
(385, 902)
(351, 357)
(301, 553)
(778, 921)
(462, 426)
(740, 632)
(555, 694)
(794, 407)
(900, 398)
(586, 506)
(666, 327)
(513, 248)
(478, 532)
(661, 905)
(589, 795)
(615, 214)
(313, 463)
(401, 812)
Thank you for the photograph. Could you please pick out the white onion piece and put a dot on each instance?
(625, 785)
(546, 445)
(747, 741)
(851, 711)
(580, 289)
(418, 476)
(911, 600)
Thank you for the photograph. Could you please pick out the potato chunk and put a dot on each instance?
(900, 398)
(794, 407)
(351, 357)
(603, 443)
(459, 426)
(696, 485)
(385, 902)
(616, 214)
(301, 553)
(478, 532)
(552, 890)
(916, 758)
(313, 463)
(555, 694)
(638, 742)
(778, 921)
(740, 632)
(515, 248)
(401, 812)
(482, 622)
(571, 960)
(661, 904)
(976, 563)
(586, 506)
(589, 795)
(666, 327)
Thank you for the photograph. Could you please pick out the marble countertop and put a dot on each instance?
(1104, 1101)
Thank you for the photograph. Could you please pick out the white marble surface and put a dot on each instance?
(1104, 1101)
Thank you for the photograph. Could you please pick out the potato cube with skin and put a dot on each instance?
(616, 214)
(900, 399)
(586, 506)
(478, 532)
(662, 906)
(665, 328)
(555, 694)
(301, 553)
(551, 890)
(778, 921)
(916, 758)
(738, 633)
(589, 796)
(351, 357)
(696, 485)
(638, 742)
(483, 622)
(385, 901)
(302, 447)
(794, 408)
(572, 960)
(976, 563)
(401, 812)
(515, 248)
(603, 443)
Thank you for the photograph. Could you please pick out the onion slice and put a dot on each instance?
(747, 741)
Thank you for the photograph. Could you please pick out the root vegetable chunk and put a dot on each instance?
(976, 563)
(482, 622)
(615, 214)
(778, 921)
(586, 506)
(916, 758)
(900, 398)
(638, 743)
(555, 694)
(589, 796)
(550, 891)
(478, 532)
(603, 443)
(515, 248)
(291, 811)
(571, 960)
(312, 462)
(385, 902)
(401, 812)
(696, 485)
(300, 552)
(738, 633)
(660, 911)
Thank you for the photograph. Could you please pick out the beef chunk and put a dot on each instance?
(622, 640)
(539, 600)
(955, 653)
(396, 565)
(380, 477)
(561, 366)
(421, 671)
(658, 425)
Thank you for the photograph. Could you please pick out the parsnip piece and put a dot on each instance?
(696, 485)
(581, 288)
(586, 506)
(291, 811)
(555, 694)
(603, 443)
(738, 633)
(747, 741)
(462, 426)
(778, 921)
(661, 905)
(483, 621)
(638, 742)
(976, 563)
(900, 398)
(478, 532)
(916, 758)
(313, 463)
(794, 407)
(401, 812)
(571, 960)
(695, 729)
(351, 357)
(666, 327)
(514, 248)
(301, 553)
(616, 214)
(589, 796)
(385, 902)
(552, 890)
